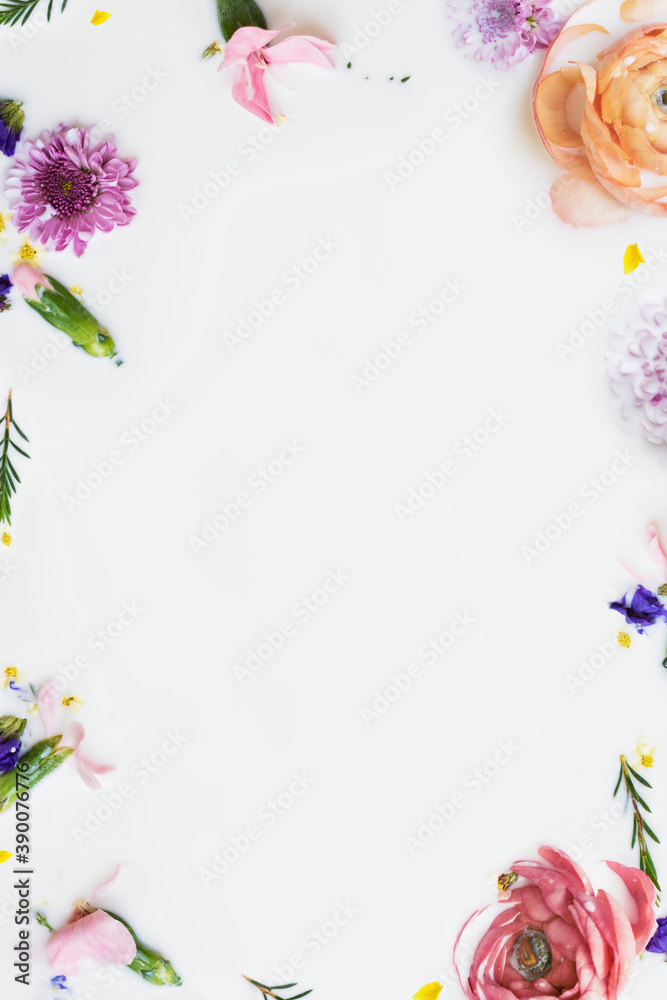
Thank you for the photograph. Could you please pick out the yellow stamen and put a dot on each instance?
(76, 290)
(27, 252)
(11, 672)
(624, 640)
(73, 701)
(647, 760)
(6, 539)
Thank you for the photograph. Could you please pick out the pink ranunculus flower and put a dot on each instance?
(248, 50)
(90, 938)
(555, 936)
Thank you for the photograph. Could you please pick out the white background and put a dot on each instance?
(323, 176)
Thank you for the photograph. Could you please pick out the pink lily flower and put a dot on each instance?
(249, 51)
(47, 700)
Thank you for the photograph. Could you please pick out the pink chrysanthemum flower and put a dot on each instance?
(637, 367)
(503, 32)
(63, 188)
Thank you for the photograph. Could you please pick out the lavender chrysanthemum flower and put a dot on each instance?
(637, 367)
(644, 610)
(658, 942)
(11, 125)
(503, 31)
(63, 188)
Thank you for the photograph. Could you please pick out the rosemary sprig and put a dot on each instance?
(268, 991)
(13, 11)
(640, 828)
(8, 474)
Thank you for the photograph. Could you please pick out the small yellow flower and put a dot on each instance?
(100, 16)
(282, 120)
(76, 290)
(644, 755)
(11, 673)
(632, 258)
(5, 856)
(624, 640)
(5, 219)
(73, 701)
(28, 254)
(430, 992)
(6, 539)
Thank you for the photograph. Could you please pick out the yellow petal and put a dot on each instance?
(430, 992)
(632, 258)
(5, 856)
(100, 16)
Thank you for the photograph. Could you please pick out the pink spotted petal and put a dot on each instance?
(96, 939)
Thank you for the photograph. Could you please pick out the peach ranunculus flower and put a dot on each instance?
(600, 106)
(555, 936)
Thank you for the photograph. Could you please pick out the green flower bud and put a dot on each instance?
(235, 14)
(40, 760)
(148, 963)
(63, 310)
(11, 728)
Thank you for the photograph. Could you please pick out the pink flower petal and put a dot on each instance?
(249, 91)
(26, 278)
(115, 883)
(244, 42)
(299, 48)
(47, 696)
(655, 549)
(96, 939)
(643, 892)
(584, 202)
(87, 768)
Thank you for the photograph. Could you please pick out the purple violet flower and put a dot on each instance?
(5, 283)
(644, 610)
(9, 754)
(11, 125)
(63, 188)
(658, 942)
(503, 32)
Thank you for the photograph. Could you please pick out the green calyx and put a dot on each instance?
(40, 760)
(63, 310)
(11, 728)
(148, 963)
(12, 115)
(235, 14)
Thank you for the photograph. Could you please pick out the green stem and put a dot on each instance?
(644, 853)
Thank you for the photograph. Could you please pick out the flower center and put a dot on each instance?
(659, 98)
(497, 18)
(531, 955)
(647, 760)
(69, 192)
(27, 252)
(11, 672)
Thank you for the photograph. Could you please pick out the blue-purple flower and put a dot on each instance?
(11, 730)
(644, 610)
(9, 754)
(11, 126)
(658, 942)
(5, 283)
(59, 983)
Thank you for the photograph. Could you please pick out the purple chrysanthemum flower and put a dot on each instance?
(63, 188)
(9, 754)
(644, 610)
(637, 367)
(658, 942)
(11, 125)
(503, 31)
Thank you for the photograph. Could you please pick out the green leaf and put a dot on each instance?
(639, 777)
(641, 801)
(650, 832)
(634, 832)
(618, 784)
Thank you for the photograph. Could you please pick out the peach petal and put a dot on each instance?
(642, 10)
(551, 109)
(583, 201)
